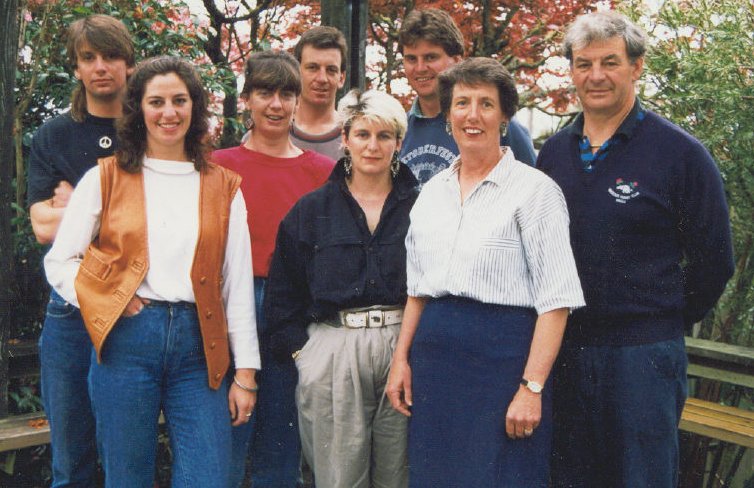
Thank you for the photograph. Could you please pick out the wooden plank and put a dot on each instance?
(700, 405)
(20, 348)
(721, 374)
(729, 353)
(728, 424)
(703, 426)
(17, 433)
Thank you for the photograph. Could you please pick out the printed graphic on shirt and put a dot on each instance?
(427, 160)
(105, 142)
(623, 190)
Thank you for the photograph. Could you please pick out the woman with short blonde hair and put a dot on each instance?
(335, 300)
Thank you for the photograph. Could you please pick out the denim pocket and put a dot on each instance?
(59, 308)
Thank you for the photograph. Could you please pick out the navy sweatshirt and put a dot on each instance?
(63, 149)
(649, 229)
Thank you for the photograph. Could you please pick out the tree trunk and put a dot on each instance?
(351, 17)
(8, 53)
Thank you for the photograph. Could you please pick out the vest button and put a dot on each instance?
(217, 376)
(208, 314)
(203, 280)
(212, 345)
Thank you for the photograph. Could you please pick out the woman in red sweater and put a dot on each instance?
(275, 174)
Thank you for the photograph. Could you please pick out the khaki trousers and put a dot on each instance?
(350, 435)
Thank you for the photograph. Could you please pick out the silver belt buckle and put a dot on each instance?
(375, 318)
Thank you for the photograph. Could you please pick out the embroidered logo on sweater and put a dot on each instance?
(623, 190)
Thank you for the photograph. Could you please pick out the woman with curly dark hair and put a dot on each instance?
(154, 250)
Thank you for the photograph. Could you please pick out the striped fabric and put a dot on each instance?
(507, 244)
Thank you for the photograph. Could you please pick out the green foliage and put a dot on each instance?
(27, 399)
(701, 76)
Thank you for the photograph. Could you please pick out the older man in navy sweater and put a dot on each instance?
(651, 238)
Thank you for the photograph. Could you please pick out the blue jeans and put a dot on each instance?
(271, 438)
(616, 414)
(150, 362)
(64, 355)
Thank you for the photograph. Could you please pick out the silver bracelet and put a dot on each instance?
(244, 387)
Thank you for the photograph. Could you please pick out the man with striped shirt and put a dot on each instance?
(651, 237)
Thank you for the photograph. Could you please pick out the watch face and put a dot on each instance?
(533, 386)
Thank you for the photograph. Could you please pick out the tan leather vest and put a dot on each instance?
(116, 262)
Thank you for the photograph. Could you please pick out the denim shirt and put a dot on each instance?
(326, 259)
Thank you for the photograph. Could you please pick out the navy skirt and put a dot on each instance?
(467, 360)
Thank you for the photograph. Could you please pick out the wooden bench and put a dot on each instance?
(27, 430)
(728, 364)
(707, 359)
(710, 419)
(21, 431)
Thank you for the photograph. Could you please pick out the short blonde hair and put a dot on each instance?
(375, 106)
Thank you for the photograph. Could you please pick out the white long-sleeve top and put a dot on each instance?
(171, 191)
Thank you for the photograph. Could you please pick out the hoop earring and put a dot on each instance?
(503, 128)
(395, 165)
(347, 163)
(449, 128)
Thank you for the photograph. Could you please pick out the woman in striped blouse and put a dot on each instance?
(491, 279)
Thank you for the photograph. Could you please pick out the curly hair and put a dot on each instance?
(601, 26)
(477, 71)
(132, 132)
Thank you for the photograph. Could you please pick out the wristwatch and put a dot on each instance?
(532, 386)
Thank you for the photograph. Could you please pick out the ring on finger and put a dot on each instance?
(528, 432)
(248, 414)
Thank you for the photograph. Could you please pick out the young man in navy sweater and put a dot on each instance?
(651, 237)
(431, 43)
(101, 54)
